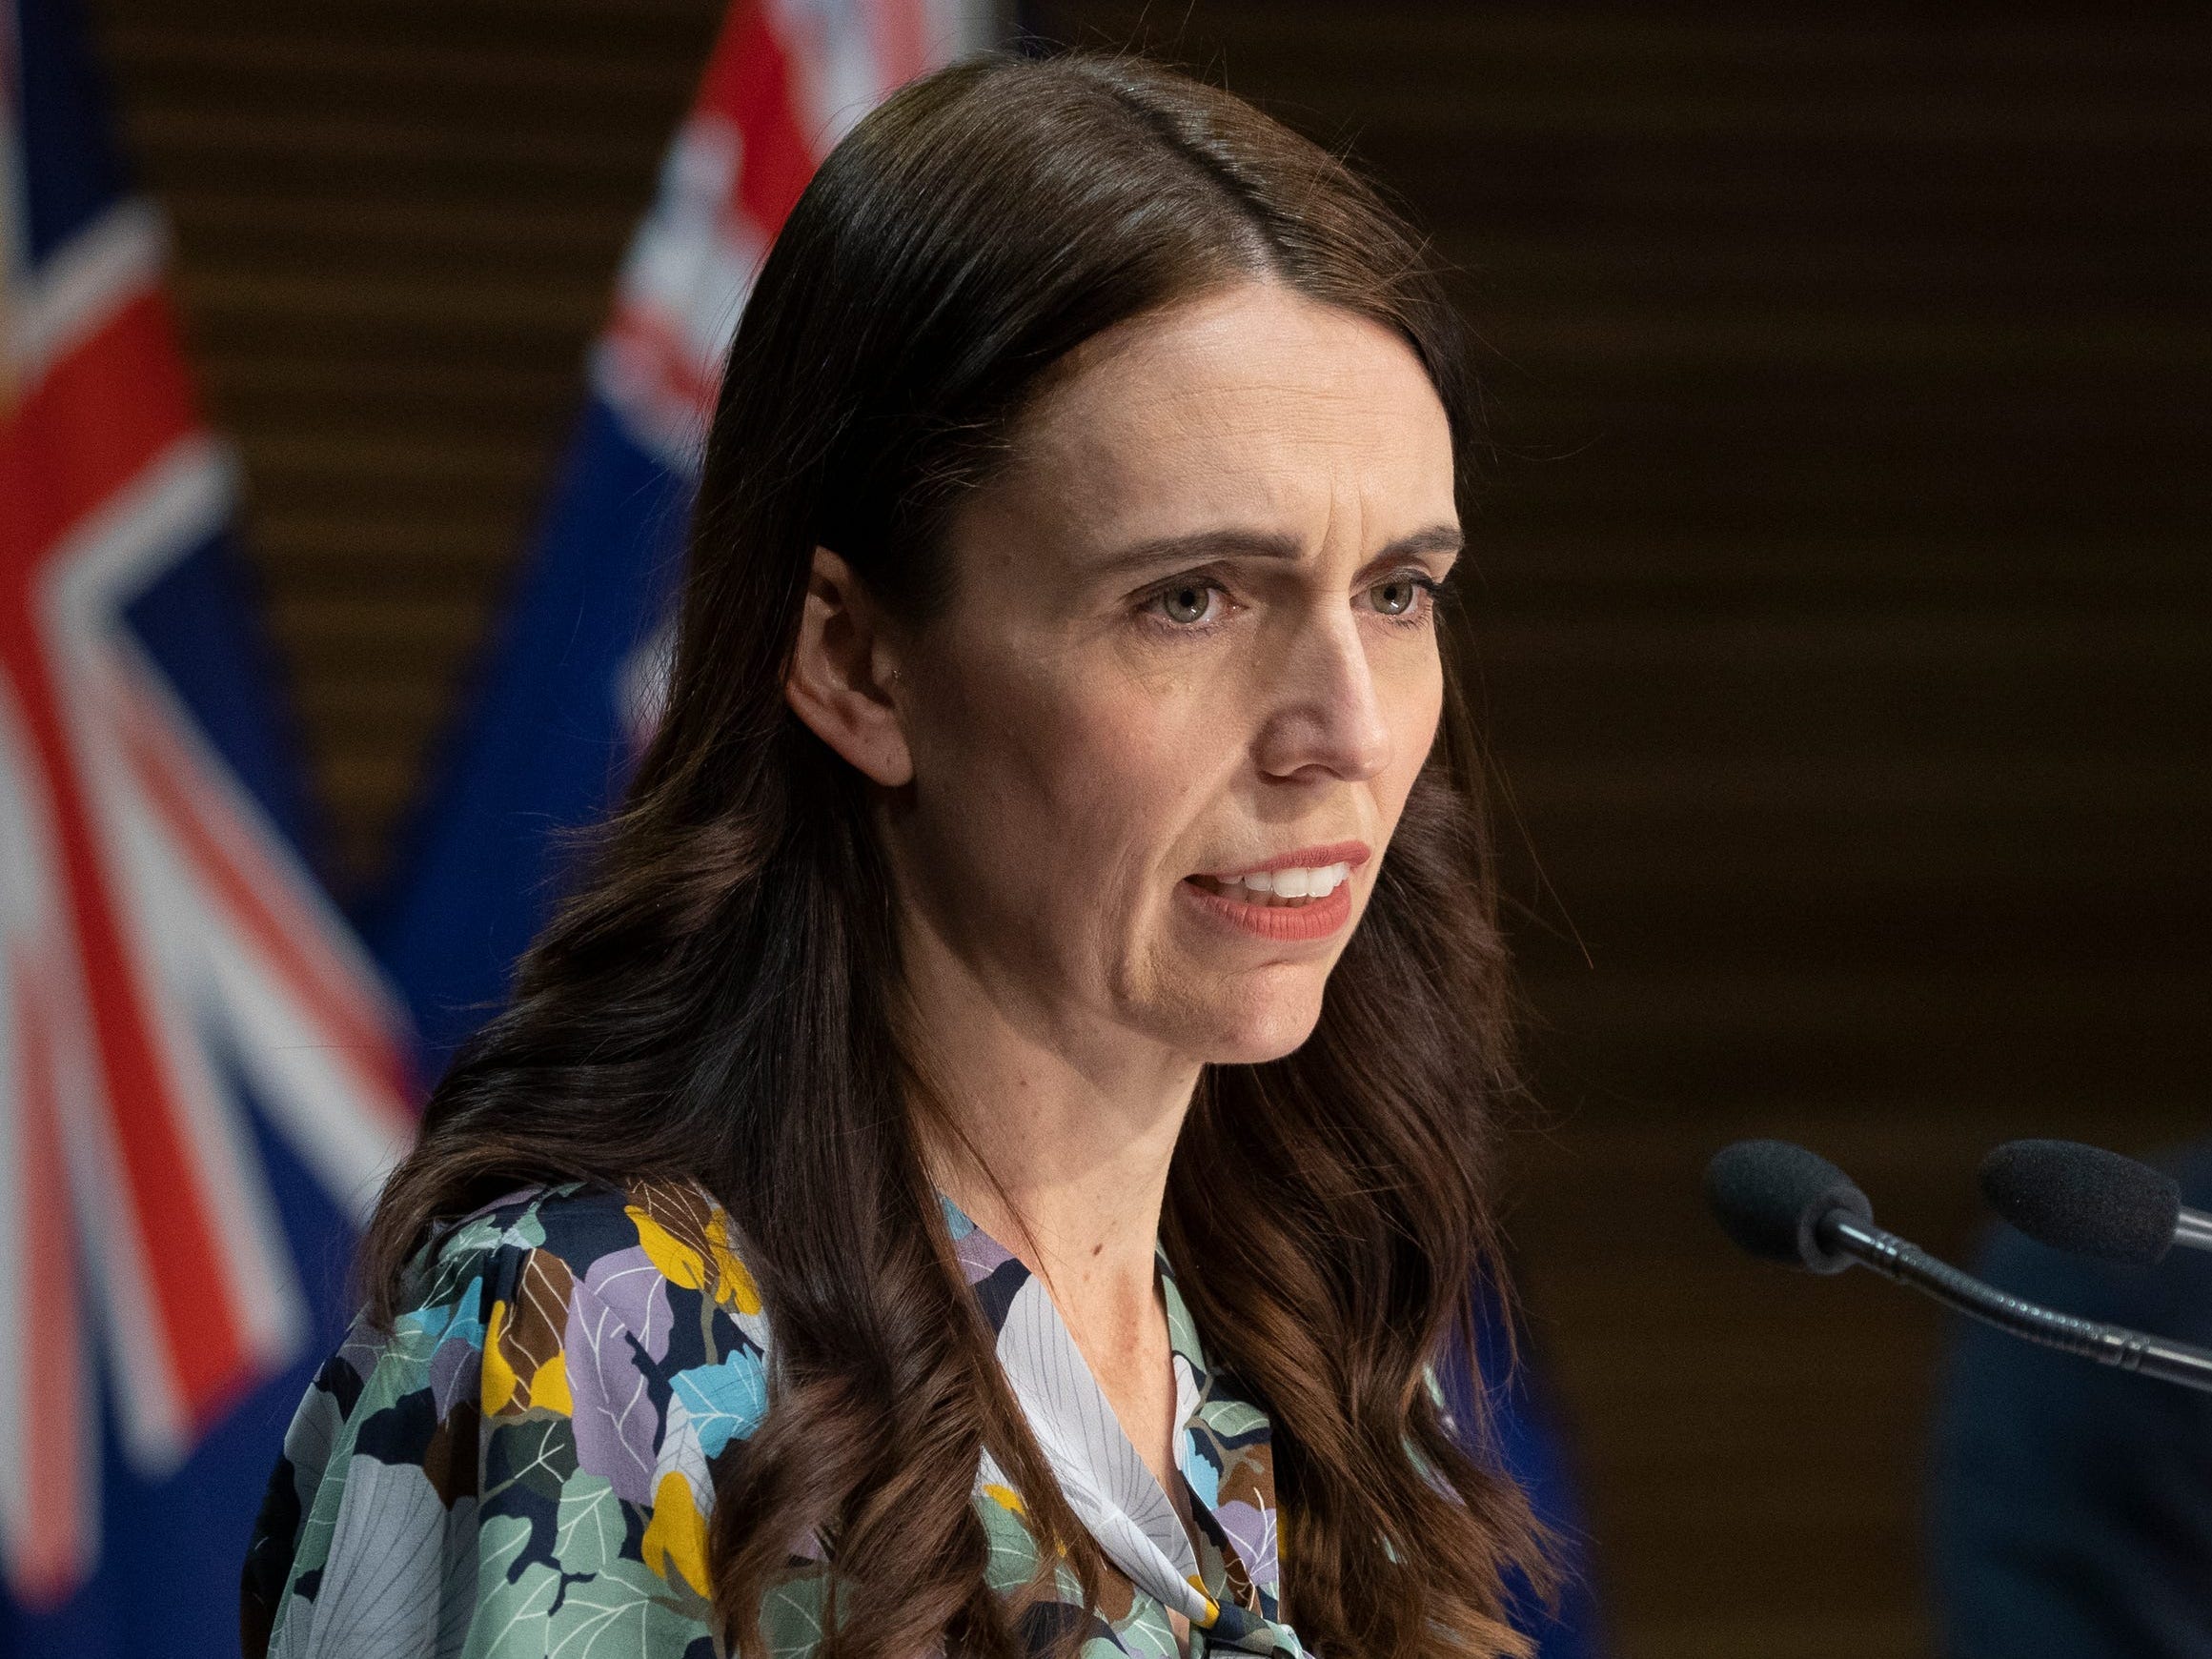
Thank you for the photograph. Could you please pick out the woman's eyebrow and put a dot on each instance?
(1201, 544)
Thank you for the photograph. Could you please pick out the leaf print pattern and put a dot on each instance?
(524, 1363)
(1230, 1600)
(525, 1464)
(616, 1417)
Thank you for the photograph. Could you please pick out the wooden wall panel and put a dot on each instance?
(1845, 618)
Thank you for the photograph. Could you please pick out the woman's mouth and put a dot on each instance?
(1282, 906)
(1290, 889)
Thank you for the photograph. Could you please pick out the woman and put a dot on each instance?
(988, 1158)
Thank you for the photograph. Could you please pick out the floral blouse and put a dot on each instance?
(524, 1465)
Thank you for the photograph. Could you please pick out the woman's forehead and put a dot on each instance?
(1253, 405)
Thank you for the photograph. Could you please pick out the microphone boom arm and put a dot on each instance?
(2194, 1231)
(2108, 1345)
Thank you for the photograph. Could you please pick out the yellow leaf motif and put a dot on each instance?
(677, 1533)
(679, 1262)
(503, 1387)
(498, 1385)
(681, 1265)
(734, 1279)
(549, 1386)
(1006, 1496)
(1212, 1607)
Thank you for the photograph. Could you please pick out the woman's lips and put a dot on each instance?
(1353, 852)
(1271, 919)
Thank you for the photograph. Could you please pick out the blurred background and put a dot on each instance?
(1842, 585)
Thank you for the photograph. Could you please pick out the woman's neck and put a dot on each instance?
(1072, 1184)
(1056, 1146)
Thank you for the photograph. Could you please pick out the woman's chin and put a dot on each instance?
(1252, 1034)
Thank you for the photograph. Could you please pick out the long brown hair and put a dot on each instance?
(718, 998)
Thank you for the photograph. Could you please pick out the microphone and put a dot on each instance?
(2088, 1202)
(1784, 1203)
(1772, 1197)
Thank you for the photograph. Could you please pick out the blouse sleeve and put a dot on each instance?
(523, 1465)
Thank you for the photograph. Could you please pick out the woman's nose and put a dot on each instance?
(1327, 712)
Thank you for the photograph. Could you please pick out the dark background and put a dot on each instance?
(1843, 589)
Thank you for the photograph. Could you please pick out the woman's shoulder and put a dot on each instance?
(569, 1352)
(636, 1248)
(598, 1289)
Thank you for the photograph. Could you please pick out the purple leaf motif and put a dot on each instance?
(981, 1255)
(1251, 1532)
(456, 1367)
(618, 1427)
(636, 1292)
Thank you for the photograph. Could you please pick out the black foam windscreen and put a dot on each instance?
(1770, 1197)
(2083, 1200)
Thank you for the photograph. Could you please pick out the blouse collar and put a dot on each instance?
(1225, 1581)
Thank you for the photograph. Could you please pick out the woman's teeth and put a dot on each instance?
(1280, 887)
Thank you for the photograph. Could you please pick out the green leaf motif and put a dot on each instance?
(1148, 1635)
(588, 1534)
(1013, 1558)
(624, 1611)
(1232, 1418)
(791, 1617)
(536, 1453)
(511, 1612)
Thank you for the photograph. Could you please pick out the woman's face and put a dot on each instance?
(1191, 639)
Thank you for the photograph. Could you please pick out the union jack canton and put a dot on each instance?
(199, 1070)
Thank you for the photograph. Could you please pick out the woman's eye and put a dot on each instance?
(1186, 603)
(1396, 598)
(1196, 606)
(1401, 596)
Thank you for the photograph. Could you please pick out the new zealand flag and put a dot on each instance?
(202, 1080)
(571, 684)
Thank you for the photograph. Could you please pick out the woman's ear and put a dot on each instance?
(841, 673)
